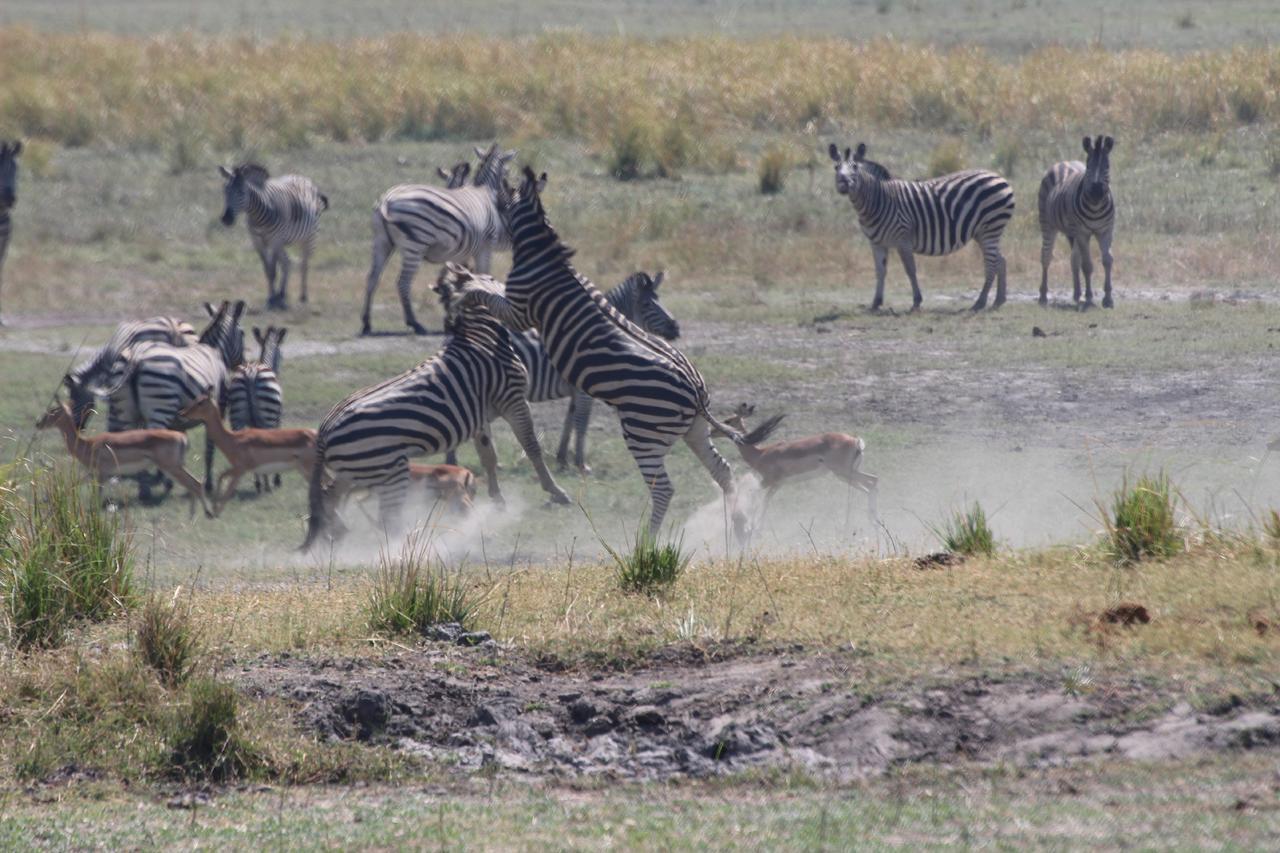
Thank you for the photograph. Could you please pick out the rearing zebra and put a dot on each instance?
(9, 152)
(280, 212)
(367, 440)
(90, 378)
(1075, 198)
(254, 396)
(437, 225)
(931, 217)
(658, 393)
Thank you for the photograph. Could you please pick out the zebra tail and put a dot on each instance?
(763, 431)
(315, 501)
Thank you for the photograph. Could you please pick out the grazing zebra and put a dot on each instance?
(254, 396)
(932, 217)
(367, 440)
(9, 152)
(152, 382)
(1075, 198)
(659, 395)
(437, 225)
(280, 212)
(88, 379)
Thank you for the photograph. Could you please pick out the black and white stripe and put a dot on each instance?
(9, 152)
(281, 212)
(659, 395)
(930, 217)
(1075, 199)
(254, 395)
(367, 440)
(92, 377)
(152, 382)
(439, 224)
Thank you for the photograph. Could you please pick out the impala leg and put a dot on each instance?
(521, 422)
(222, 495)
(194, 489)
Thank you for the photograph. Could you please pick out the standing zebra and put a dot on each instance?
(932, 217)
(88, 379)
(152, 382)
(254, 396)
(9, 152)
(658, 393)
(280, 212)
(1075, 198)
(367, 440)
(438, 225)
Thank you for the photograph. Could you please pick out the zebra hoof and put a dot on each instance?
(584, 469)
(366, 328)
(1107, 303)
(419, 329)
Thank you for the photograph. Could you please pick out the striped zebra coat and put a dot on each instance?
(92, 377)
(152, 382)
(367, 440)
(931, 217)
(438, 224)
(1075, 199)
(659, 395)
(255, 398)
(9, 152)
(281, 212)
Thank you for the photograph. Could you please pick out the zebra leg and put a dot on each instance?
(1075, 267)
(451, 456)
(1086, 266)
(391, 497)
(208, 463)
(881, 256)
(909, 264)
(282, 295)
(521, 421)
(1104, 249)
(699, 440)
(408, 267)
(382, 249)
(308, 245)
(650, 459)
(562, 452)
(489, 460)
(992, 267)
(581, 418)
(268, 268)
(1046, 258)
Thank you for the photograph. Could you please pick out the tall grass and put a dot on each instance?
(414, 590)
(232, 92)
(64, 558)
(1141, 521)
(206, 737)
(649, 568)
(967, 533)
(167, 640)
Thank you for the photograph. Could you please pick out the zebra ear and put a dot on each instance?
(834, 152)
(442, 173)
(1107, 143)
(657, 279)
(209, 309)
(257, 334)
(225, 172)
(236, 310)
(541, 183)
(1088, 145)
(16, 148)
(507, 156)
(280, 333)
(480, 152)
(861, 152)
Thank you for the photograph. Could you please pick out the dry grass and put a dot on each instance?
(181, 93)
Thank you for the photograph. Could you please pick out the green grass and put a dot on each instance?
(649, 567)
(967, 533)
(166, 640)
(1142, 520)
(415, 590)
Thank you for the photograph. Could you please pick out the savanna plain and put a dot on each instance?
(1061, 631)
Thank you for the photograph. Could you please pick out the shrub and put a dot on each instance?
(947, 157)
(1141, 521)
(967, 533)
(774, 166)
(415, 590)
(205, 734)
(649, 568)
(630, 147)
(65, 559)
(166, 640)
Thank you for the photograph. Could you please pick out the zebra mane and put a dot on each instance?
(254, 173)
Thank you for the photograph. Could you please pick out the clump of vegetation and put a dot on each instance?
(1271, 527)
(967, 533)
(206, 737)
(166, 640)
(774, 166)
(649, 568)
(630, 149)
(1142, 522)
(414, 590)
(65, 559)
(675, 148)
(947, 157)
(1186, 21)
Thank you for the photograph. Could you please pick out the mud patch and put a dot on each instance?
(687, 715)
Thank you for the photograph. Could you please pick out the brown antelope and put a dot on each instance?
(836, 452)
(453, 484)
(112, 454)
(262, 451)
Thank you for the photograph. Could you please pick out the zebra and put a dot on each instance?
(280, 212)
(658, 393)
(439, 224)
(87, 380)
(1075, 198)
(152, 382)
(930, 217)
(254, 395)
(9, 152)
(366, 441)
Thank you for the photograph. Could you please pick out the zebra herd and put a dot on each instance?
(545, 333)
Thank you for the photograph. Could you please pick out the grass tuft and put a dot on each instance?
(415, 590)
(774, 166)
(631, 148)
(167, 641)
(206, 736)
(649, 568)
(1141, 522)
(967, 533)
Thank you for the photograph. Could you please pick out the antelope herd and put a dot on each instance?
(545, 333)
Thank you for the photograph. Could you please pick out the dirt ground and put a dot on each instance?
(690, 712)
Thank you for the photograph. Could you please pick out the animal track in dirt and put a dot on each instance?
(684, 713)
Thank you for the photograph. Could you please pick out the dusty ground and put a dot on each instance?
(690, 712)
